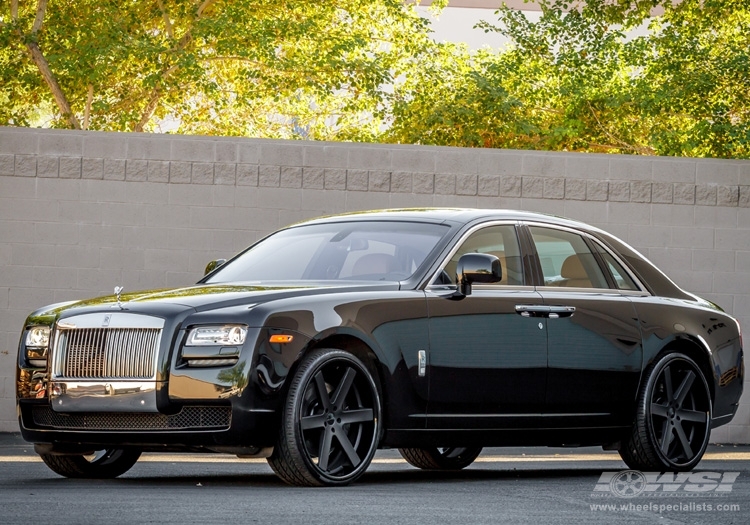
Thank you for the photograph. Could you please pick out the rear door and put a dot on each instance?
(594, 344)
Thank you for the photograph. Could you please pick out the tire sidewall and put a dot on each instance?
(112, 464)
(660, 365)
(313, 363)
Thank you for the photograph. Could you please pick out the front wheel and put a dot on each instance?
(331, 421)
(455, 458)
(102, 464)
(673, 417)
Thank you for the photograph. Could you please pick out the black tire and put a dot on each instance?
(440, 458)
(103, 464)
(673, 417)
(331, 421)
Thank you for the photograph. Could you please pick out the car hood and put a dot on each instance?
(204, 297)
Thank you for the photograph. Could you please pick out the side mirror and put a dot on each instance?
(477, 268)
(210, 267)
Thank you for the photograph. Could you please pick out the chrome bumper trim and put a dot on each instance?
(103, 396)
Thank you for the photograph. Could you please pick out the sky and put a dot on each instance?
(455, 24)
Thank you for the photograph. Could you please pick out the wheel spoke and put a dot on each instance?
(342, 390)
(666, 437)
(668, 384)
(325, 450)
(692, 415)
(309, 422)
(684, 441)
(658, 410)
(684, 387)
(320, 386)
(357, 416)
(348, 449)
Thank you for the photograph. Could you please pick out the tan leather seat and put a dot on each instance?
(503, 266)
(574, 273)
(374, 264)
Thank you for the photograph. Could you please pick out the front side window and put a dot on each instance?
(500, 241)
(566, 259)
(357, 250)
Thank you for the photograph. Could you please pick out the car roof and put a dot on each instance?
(454, 215)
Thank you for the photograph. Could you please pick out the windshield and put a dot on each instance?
(372, 251)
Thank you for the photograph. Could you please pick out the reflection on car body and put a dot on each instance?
(434, 331)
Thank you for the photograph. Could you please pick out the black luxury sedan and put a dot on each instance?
(434, 331)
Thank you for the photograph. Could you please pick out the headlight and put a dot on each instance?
(217, 335)
(37, 337)
(37, 344)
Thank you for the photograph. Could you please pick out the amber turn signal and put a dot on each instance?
(281, 338)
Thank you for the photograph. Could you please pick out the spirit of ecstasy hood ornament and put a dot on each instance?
(118, 292)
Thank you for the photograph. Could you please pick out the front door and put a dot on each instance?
(487, 358)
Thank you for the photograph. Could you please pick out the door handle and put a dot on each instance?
(556, 312)
(539, 310)
(532, 310)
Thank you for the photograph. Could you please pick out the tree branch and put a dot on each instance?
(41, 8)
(203, 7)
(87, 111)
(148, 111)
(49, 78)
(153, 101)
(643, 150)
(41, 63)
(167, 22)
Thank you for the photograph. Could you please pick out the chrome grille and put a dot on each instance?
(106, 353)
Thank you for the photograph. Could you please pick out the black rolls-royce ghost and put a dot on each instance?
(434, 331)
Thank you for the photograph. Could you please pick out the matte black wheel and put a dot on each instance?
(673, 418)
(102, 464)
(330, 426)
(455, 458)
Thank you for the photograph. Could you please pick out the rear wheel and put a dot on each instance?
(673, 417)
(102, 464)
(330, 427)
(455, 458)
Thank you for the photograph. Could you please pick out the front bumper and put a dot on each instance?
(224, 427)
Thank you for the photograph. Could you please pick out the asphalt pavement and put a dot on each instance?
(504, 485)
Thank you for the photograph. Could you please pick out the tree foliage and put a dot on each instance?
(236, 67)
(581, 79)
(616, 76)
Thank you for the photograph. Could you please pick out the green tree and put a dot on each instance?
(451, 97)
(578, 80)
(695, 86)
(283, 68)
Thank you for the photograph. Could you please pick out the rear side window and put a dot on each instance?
(622, 279)
(566, 259)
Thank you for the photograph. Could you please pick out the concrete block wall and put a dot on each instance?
(82, 212)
